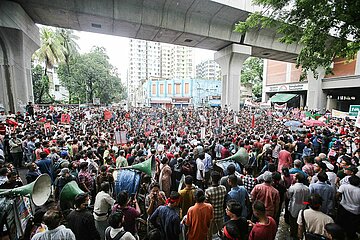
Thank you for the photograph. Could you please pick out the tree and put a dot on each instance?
(50, 53)
(322, 27)
(40, 85)
(252, 74)
(91, 76)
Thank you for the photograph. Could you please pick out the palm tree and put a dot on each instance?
(50, 52)
(67, 38)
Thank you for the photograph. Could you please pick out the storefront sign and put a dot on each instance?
(353, 110)
(287, 87)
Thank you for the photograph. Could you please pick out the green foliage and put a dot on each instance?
(40, 85)
(252, 74)
(322, 27)
(92, 76)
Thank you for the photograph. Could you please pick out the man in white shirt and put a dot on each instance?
(349, 209)
(52, 219)
(116, 230)
(103, 204)
(200, 172)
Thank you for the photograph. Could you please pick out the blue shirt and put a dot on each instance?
(239, 194)
(326, 192)
(169, 222)
(297, 170)
(44, 166)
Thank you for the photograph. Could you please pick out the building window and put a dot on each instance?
(187, 88)
(169, 89)
(153, 90)
(57, 88)
(161, 88)
(177, 88)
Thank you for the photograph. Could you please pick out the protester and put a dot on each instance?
(81, 221)
(266, 227)
(52, 219)
(116, 231)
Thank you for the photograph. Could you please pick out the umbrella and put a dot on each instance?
(314, 123)
(292, 123)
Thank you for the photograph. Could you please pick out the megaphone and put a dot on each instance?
(143, 167)
(39, 190)
(241, 156)
(68, 194)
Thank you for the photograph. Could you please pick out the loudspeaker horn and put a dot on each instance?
(39, 190)
(241, 156)
(68, 194)
(143, 167)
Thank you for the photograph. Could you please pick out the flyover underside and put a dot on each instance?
(193, 23)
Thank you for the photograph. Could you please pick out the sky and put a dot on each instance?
(117, 49)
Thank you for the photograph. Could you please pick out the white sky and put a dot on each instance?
(117, 49)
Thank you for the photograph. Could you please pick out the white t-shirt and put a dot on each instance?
(350, 198)
(200, 166)
(315, 221)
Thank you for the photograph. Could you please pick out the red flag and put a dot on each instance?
(253, 121)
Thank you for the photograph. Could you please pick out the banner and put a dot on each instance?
(253, 121)
(280, 106)
(120, 137)
(339, 114)
(65, 118)
(107, 115)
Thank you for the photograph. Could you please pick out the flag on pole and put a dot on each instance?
(253, 121)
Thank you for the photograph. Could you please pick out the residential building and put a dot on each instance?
(153, 60)
(182, 93)
(208, 69)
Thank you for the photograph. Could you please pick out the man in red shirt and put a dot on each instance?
(285, 159)
(266, 227)
(268, 195)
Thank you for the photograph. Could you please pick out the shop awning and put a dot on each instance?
(282, 97)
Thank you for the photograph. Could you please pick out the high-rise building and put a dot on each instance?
(153, 60)
(208, 69)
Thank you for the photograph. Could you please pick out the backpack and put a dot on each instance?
(117, 237)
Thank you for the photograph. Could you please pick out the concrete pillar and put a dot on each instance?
(264, 96)
(302, 101)
(331, 103)
(316, 98)
(231, 60)
(19, 38)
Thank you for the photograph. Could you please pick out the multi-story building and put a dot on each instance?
(149, 60)
(56, 90)
(182, 93)
(208, 69)
(338, 90)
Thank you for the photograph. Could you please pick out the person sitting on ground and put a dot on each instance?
(115, 231)
(52, 219)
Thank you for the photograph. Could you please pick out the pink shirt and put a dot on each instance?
(285, 160)
(269, 196)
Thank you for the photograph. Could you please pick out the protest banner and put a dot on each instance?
(65, 118)
(280, 106)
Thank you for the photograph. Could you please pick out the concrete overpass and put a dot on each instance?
(194, 23)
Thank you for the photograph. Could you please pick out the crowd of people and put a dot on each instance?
(306, 178)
